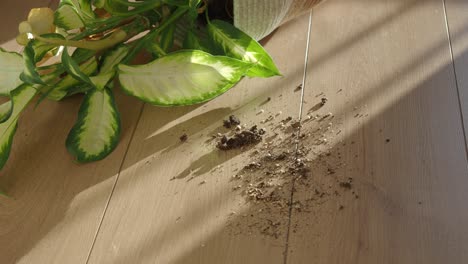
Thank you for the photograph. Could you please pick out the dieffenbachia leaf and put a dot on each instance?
(237, 44)
(72, 14)
(112, 58)
(100, 81)
(5, 111)
(66, 17)
(97, 130)
(11, 66)
(108, 68)
(62, 88)
(30, 74)
(81, 55)
(74, 69)
(182, 78)
(77, 89)
(41, 48)
(20, 98)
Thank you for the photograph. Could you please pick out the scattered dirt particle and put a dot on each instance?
(296, 125)
(298, 88)
(387, 140)
(232, 121)
(323, 101)
(289, 118)
(346, 185)
(183, 138)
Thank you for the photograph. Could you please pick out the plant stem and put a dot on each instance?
(116, 37)
(124, 33)
(143, 8)
(156, 48)
(153, 34)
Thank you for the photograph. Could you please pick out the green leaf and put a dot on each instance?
(5, 111)
(182, 78)
(99, 3)
(237, 44)
(82, 8)
(86, 8)
(191, 41)
(97, 130)
(74, 69)
(66, 17)
(100, 81)
(110, 61)
(11, 66)
(29, 74)
(78, 89)
(41, 48)
(167, 38)
(112, 58)
(20, 98)
(61, 89)
(182, 3)
(81, 55)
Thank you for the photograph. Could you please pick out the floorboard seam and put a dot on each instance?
(115, 184)
(301, 107)
(447, 26)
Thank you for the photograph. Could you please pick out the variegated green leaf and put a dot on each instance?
(82, 7)
(62, 88)
(100, 81)
(11, 66)
(74, 69)
(97, 130)
(182, 78)
(41, 48)
(30, 74)
(81, 55)
(20, 98)
(237, 44)
(67, 17)
(112, 58)
(107, 72)
(5, 111)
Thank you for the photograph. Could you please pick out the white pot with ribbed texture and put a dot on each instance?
(259, 18)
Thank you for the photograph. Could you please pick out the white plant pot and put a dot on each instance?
(259, 18)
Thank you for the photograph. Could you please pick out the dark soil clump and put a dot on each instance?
(183, 138)
(241, 139)
(231, 122)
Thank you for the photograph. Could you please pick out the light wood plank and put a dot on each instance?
(457, 20)
(391, 59)
(56, 205)
(153, 219)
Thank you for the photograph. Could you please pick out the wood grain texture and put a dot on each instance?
(457, 22)
(55, 205)
(162, 210)
(401, 139)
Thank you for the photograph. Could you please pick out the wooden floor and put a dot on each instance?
(396, 76)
